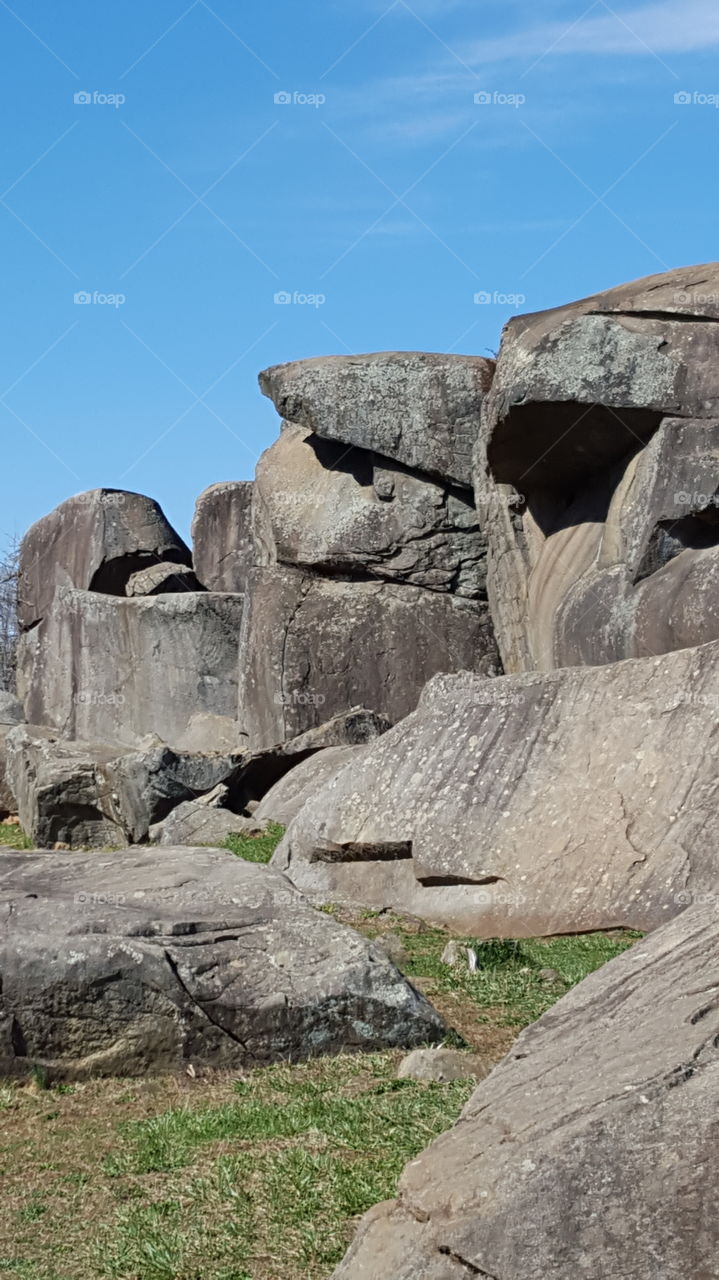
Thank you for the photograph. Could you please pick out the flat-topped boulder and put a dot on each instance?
(590, 1150)
(421, 409)
(96, 541)
(153, 960)
(545, 804)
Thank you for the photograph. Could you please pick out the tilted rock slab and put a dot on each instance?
(311, 647)
(596, 475)
(332, 510)
(151, 960)
(590, 1150)
(583, 799)
(96, 541)
(222, 543)
(286, 798)
(103, 669)
(419, 408)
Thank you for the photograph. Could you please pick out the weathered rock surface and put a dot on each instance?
(11, 714)
(441, 1065)
(110, 670)
(195, 823)
(312, 647)
(332, 510)
(223, 550)
(96, 541)
(94, 795)
(161, 579)
(419, 409)
(590, 1151)
(148, 960)
(285, 799)
(604, 416)
(534, 804)
(208, 733)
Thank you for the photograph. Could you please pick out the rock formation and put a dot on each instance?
(590, 1150)
(143, 960)
(222, 546)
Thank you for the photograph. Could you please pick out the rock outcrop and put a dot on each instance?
(11, 714)
(222, 542)
(596, 475)
(533, 804)
(153, 960)
(590, 1150)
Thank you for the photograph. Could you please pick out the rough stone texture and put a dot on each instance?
(312, 647)
(324, 508)
(441, 1065)
(208, 733)
(536, 804)
(419, 409)
(591, 1149)
(148, 960)
(11, 714)
(113, 670)
(91, 795)
(95, 542)
(284, 801)
(161, 579)
(604, 417)
(223, 550)
(195, 823)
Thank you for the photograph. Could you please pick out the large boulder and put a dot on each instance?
(596, 475)
(420, 409)
(113, 670)
(334, 511)
(223, 549)
(96, 541)
(311, 647)
(95, 795)
(590, 1150)
(155, 959)
(11, 714)
(287, 797)
(532, 804)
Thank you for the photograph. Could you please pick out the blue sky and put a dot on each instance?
(381, 198)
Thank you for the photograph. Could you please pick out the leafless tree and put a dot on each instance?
(9, 558)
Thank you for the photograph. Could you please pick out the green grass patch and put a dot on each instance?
(256, 848)
(14, 837)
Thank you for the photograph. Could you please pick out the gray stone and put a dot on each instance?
(416, 408)
(11, 713)
(95, 542)
(536, 804)
(456, 955)
(590, 1150)
(313, 647)
(334, 511)
(223, 550)
(91, 795)
(442, 1065)
(194, 823)
(153, 960)
(284, 800)
(209, 733)
(105, 669)
(161, 579)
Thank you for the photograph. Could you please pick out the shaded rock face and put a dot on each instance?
(313, 646)
(533, 804)
(223, 548)
(287, 797)
(336, 511)
(11, 714)
(419, 409)
(147, 960)
(597, 472)
(110, 670)
(590, 1150)
(97, 541)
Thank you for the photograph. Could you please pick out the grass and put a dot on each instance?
(256, 848)
(13, 836)
(215, 1178)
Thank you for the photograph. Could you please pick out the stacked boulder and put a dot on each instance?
(370, 570)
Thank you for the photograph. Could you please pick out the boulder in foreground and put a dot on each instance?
(149, 960)
(591, 1149)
